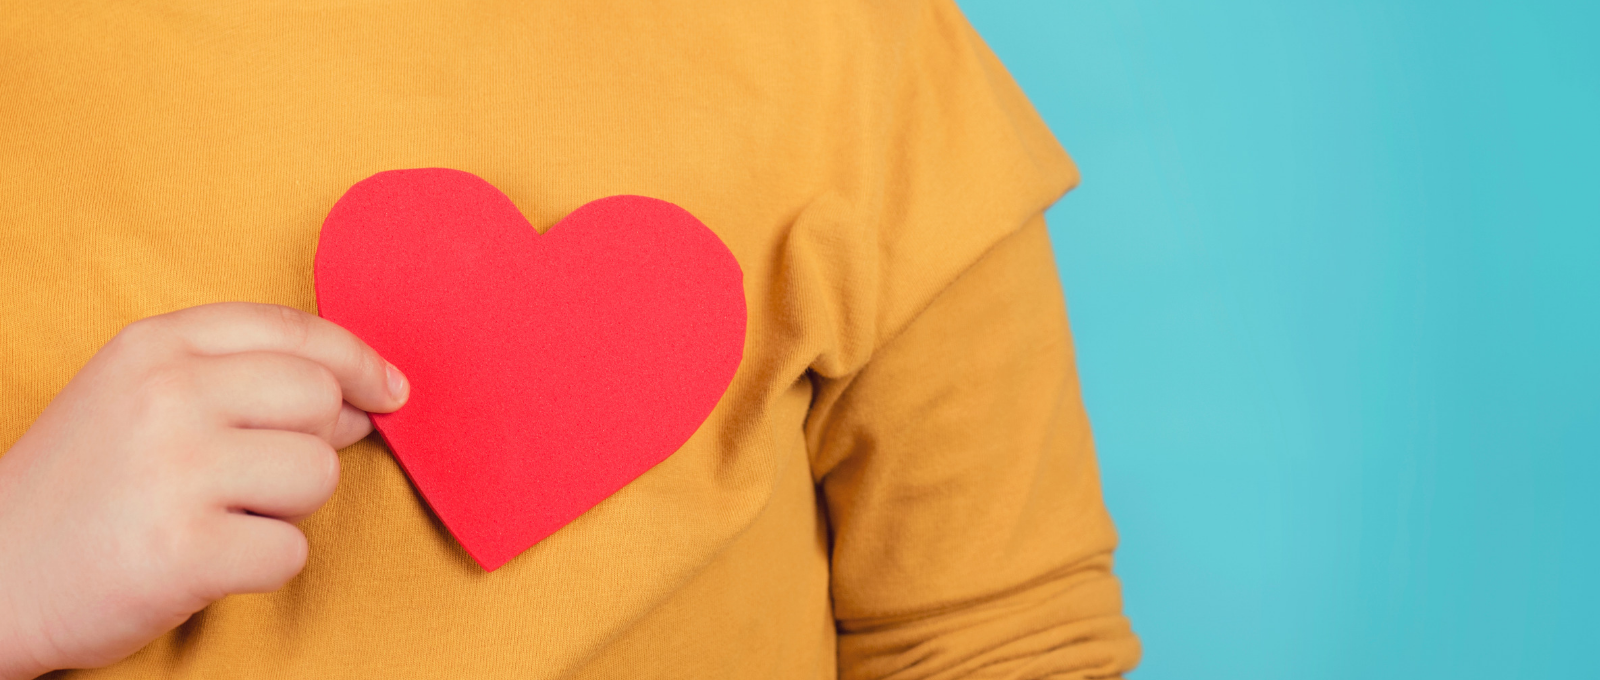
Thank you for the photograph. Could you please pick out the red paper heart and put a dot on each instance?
(547, 371)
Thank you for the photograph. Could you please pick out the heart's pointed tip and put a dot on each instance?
(489, 563)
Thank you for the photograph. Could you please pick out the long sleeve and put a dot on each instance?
(958, 472)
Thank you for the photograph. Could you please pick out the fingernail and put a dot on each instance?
(398, 388)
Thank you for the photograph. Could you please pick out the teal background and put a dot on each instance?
(1334, 271)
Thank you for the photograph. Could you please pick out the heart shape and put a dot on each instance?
(547, 371)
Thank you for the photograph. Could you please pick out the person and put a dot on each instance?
(899, 482)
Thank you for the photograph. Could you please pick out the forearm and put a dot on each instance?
(971, 538)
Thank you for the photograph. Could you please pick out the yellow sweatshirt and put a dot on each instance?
(900, 480)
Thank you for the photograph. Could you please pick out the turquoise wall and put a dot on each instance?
(1334, 271)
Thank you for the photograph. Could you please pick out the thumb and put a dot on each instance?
(353, 426)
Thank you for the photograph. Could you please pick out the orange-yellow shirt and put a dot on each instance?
(898, 483)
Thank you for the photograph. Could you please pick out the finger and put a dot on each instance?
(276, 473)
(353, 426)
(253, 554)
(368, 381)
(264, 390)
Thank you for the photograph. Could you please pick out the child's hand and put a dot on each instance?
(167, 474)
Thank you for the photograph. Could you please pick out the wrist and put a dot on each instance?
(19, 659)
(16, 659)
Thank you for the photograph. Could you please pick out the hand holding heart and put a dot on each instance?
(168, 472)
